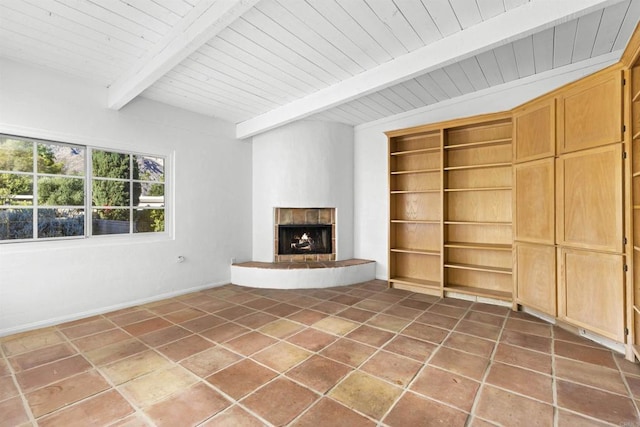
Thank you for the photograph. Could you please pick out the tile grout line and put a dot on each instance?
(483, 381)
(352, 369)
(317, 353)
(397, 333)
(232, 402)
(97, 368)
(139, 409)
(627, 386)
(379, 349)
(554, 380)
(425, 364)
(21, 394)
(281, 375)
(59, 331)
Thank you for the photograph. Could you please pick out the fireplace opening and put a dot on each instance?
(304, 239)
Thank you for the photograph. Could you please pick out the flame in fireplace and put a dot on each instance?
(304, 243)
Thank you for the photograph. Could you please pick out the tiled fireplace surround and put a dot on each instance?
(294, 271)
(305, 216)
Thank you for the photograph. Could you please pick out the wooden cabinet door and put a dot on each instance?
(589, 199)
(590, 113)
(591, 291)
(534, 204)
(536, 277)
(534, 131)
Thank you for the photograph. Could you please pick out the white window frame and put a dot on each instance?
(88, 193)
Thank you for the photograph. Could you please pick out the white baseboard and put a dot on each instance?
(102, 310)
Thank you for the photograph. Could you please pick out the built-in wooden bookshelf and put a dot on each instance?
(477, 209)
(635, 204)
(415, 181)
(450, 208)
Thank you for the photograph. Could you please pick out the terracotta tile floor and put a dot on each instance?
(360, 355)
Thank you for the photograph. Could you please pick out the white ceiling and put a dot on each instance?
(263, 63)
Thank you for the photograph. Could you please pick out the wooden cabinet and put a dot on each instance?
(592, 291)
(589, 199)
(590, 231)
(415, 229)
(536, 276)
(535, 201)
(590, 113)
(569, 204)
(534, 234)
(534, 131)
(534, 205)
(477, 210)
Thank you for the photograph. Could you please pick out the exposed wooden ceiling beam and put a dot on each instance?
(201, 24)
(515, 24)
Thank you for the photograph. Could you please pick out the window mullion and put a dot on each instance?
(34, 203)
(130, 194)
(88, 191)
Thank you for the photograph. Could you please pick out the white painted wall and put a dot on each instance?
(303, 164)
(371, 185)
(48, 282)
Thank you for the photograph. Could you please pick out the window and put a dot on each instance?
(127, 193)
(44, 192)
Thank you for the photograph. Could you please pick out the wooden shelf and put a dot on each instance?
(481, 246)
(413, 191)
(484, 268)
(636, 135)
(477, 223)
(450, 190)
(480, 166)
(404, 172)
(636, 97)
(636, 248)
(416, 251)
(410, 152)
(478, 160)
(482, 292)
(501, 141)
(415, 221)
(416, 282)
(635, 174)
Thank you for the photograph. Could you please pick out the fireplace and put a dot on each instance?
(304, 239)
(304, 234)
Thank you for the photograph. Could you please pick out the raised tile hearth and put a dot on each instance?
(299, 275)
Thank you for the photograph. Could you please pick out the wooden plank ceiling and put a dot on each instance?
(264, 63)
